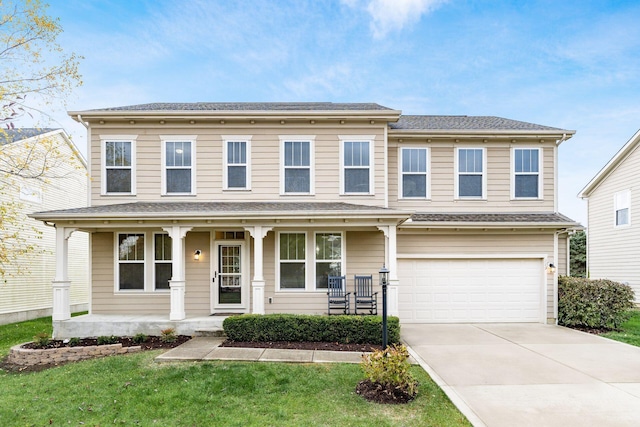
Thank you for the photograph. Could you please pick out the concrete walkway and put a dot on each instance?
(530, 374)
(208, 348)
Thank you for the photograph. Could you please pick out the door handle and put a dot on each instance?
(215, 275)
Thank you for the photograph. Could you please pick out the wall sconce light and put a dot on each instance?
(196, 254)
(551, 268)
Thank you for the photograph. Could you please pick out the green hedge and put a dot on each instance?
(299, 327)
(593, 303)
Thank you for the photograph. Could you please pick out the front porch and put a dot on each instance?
(95, 325)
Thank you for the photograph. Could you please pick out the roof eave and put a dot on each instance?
(482, 133)
(611, 165)
(245, 215)
(89, 115)
(492, 225)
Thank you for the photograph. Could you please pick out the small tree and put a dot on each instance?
(32, 63)
(578, 254)
(34, 71)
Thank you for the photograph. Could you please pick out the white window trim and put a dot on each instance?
(401, 174)
(622, 200)
(540, 175)
(178, 138)
(457, 173)
(343, 265)
(154, 262)
(306, 261)
(312, 163)
(358, 138)
(103, 162)
(116, 267)
(225, 158)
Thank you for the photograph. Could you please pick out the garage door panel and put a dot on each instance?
(475, 290)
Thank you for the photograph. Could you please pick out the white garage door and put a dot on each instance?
(470, 290)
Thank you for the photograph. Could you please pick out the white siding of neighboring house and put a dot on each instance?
(614, 252)
(29, 294)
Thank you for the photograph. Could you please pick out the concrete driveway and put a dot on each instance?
(530, 374)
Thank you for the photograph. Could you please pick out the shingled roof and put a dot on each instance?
(493, 218)
(8, 136)
(471, 123)
(249, 106)
(218, 209)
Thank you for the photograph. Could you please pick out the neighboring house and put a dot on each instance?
(216, 208)
(25, 290)
(613, 203)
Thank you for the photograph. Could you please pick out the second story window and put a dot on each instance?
(118, 159)
(297, 166)
(178, 174)
(622, 202)
(526, 173)
(470, 180)
(356, 167)
(237, 163)
(413, 164)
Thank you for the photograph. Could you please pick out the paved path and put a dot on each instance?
(207, 348)
(530, 374)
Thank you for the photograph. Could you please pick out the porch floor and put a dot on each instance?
(95, 325)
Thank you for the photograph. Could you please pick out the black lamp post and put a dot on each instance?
(384, 281)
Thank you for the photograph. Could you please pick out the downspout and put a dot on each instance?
(86, 125)
(555, 171)
(555, 274)
(386, 165)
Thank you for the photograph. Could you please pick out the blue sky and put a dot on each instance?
(573, 64)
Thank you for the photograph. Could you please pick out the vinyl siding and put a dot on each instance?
(492, 244)
(26, 290)
(441, 179)
(365, 255)
(613, 252)
(265, 163)
(197, 276)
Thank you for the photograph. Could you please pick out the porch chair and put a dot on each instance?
(365, 298)
(337, 297)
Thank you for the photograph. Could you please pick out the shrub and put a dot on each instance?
(593, 303)
(390, 368)
(74, 341)
(103, 340)
(300, 327)
(41, 339)
(139, 338)
(168, 335)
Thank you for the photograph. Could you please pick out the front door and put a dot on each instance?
(229, 277)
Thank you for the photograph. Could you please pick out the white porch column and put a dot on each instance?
(258, 233)
(177, 282)
(61, 284)
(391, 260)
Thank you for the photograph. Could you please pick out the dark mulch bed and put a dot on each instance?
(379, 393)
(151, 343)
(303, 345)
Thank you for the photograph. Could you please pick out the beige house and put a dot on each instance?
(205, 209)
(25, 289)
(613, 238)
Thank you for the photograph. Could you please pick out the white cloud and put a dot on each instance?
(394, 15)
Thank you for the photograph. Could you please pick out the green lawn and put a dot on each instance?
(629, 332)
(134, 390)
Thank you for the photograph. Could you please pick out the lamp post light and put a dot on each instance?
(384, 281)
